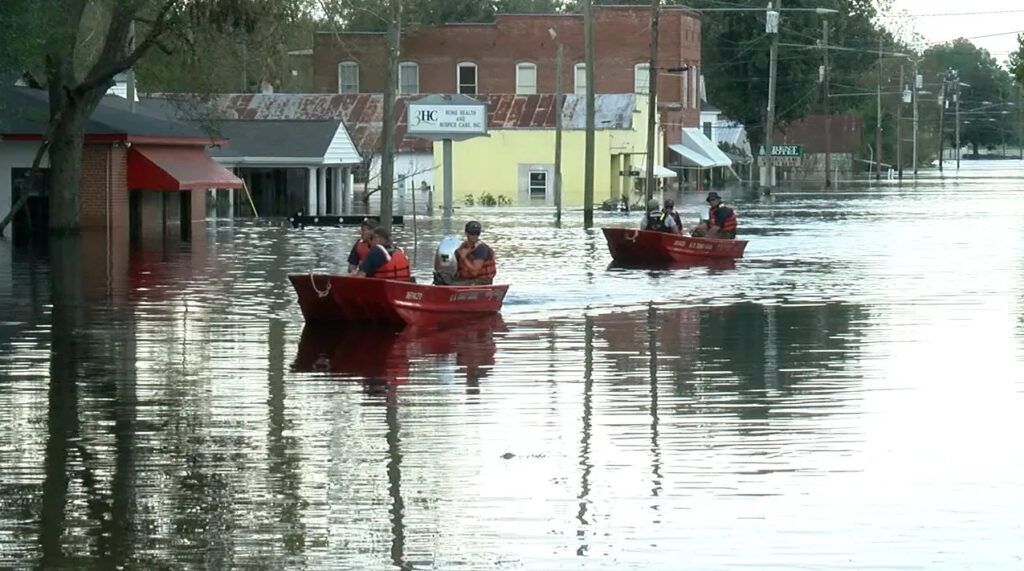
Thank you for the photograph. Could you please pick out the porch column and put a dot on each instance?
(337, 191)
(321, 191)
(311, 191)
(349, 187)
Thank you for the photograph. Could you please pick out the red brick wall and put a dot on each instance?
(96, 159)
(621, 40)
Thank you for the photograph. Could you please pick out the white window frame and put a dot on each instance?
(523, 88)
(349, 64)
(642, 77)
(579, 78)
(408, 65)
(529, 185)
(458, 77)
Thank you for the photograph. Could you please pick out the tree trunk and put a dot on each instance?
(66, 172)
(387, 153)
(975, 147)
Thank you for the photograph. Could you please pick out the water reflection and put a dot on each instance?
(683, 264)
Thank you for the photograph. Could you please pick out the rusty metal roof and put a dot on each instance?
(362, 113)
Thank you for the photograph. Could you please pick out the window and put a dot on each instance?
(408, 78)
(348, 77)
(580, 79)
(467, 78)
(641, 77)
(538, 185)
(526, 79)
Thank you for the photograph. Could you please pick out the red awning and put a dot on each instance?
(176, 168)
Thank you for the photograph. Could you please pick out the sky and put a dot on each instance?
(943, 20)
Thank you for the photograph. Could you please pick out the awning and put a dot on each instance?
(176, 168)
(696, 150)
(659, 171)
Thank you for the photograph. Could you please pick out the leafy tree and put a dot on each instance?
(1016, 62)
(76, 47)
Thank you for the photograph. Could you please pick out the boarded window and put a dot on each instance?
(408, 78)
(526, 79)
(467, 78)
(580, 79)
(348, 77)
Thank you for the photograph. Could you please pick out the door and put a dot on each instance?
(34, 217)
(538, 187)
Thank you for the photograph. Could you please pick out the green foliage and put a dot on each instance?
(469, 200)
(1016, 62)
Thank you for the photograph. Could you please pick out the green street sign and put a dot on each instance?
(783, 150)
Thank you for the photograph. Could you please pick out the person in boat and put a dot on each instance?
(362, 246)
(384, 260)
(670, 207)
(658, 219)
(477, 262)
(722, 220)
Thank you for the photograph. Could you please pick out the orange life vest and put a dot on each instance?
(730, 220)
(396, 268)
(487, 271)
(362, 249)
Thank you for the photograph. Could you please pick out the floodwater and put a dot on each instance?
(850, 394)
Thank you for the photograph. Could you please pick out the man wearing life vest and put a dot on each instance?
(477, 263)
(362, 246)
(670, 207)
(385, 261)
(722, 220)
(658, 220)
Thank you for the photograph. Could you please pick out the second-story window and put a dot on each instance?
(348, 77)
(408, 78)
(466, 76)
(526, 79)
(580, 79)
(641, 78)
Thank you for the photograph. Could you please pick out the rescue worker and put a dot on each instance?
(722, 220)
(362, 246)
(384, 261)
(670, 207)
(477, 263)
(658, 220)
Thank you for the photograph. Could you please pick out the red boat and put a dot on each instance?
(629, 246)
(326, 297)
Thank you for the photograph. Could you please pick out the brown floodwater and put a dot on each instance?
(850, 394)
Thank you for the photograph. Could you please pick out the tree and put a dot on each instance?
(76, 47)
(1016, 61)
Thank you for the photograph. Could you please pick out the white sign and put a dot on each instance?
(445, 119)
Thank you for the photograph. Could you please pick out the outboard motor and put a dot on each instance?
(446, 265)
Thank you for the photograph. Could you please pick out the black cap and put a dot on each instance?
(473, 227)
(669, 203)
(712, 195)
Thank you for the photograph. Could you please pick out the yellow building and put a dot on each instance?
(515, 161)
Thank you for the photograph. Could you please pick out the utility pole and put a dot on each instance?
(558, 128)
(956, 101)
(387, 152)
(828, 112)
(588, 153)
(899, 128)
(878, 121)
(767, 160)
(652, 101)
(917, 79)
(1020, 122)
(942, 116)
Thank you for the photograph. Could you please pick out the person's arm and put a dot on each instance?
(374, 260)
(353, 258)
(475, 265)
(670, 223)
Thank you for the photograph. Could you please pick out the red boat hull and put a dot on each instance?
(324, 297)
(629, 246)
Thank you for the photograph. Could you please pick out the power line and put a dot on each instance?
(967, 13)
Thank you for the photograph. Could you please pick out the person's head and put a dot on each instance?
(367, 228)
(670, 204)
(713, 199)
(653, 204)
(381, 237)
(473, 230)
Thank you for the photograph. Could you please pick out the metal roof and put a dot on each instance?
(318, 142)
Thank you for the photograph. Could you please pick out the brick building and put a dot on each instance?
(516, 54)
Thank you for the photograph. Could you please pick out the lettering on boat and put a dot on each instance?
(465, 296)
(414, 295)
(693, 245)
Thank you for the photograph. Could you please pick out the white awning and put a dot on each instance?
(696, 150)
(659, 171)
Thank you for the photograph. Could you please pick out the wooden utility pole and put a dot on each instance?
(914, 95)
(588, 152)
(767, 161)
(652, 101)
(956, 102)
(828, 112)
(1020, 122)
(387, 151)
(899, 128)
(942, 116)
(558, 130)
(878, 122)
